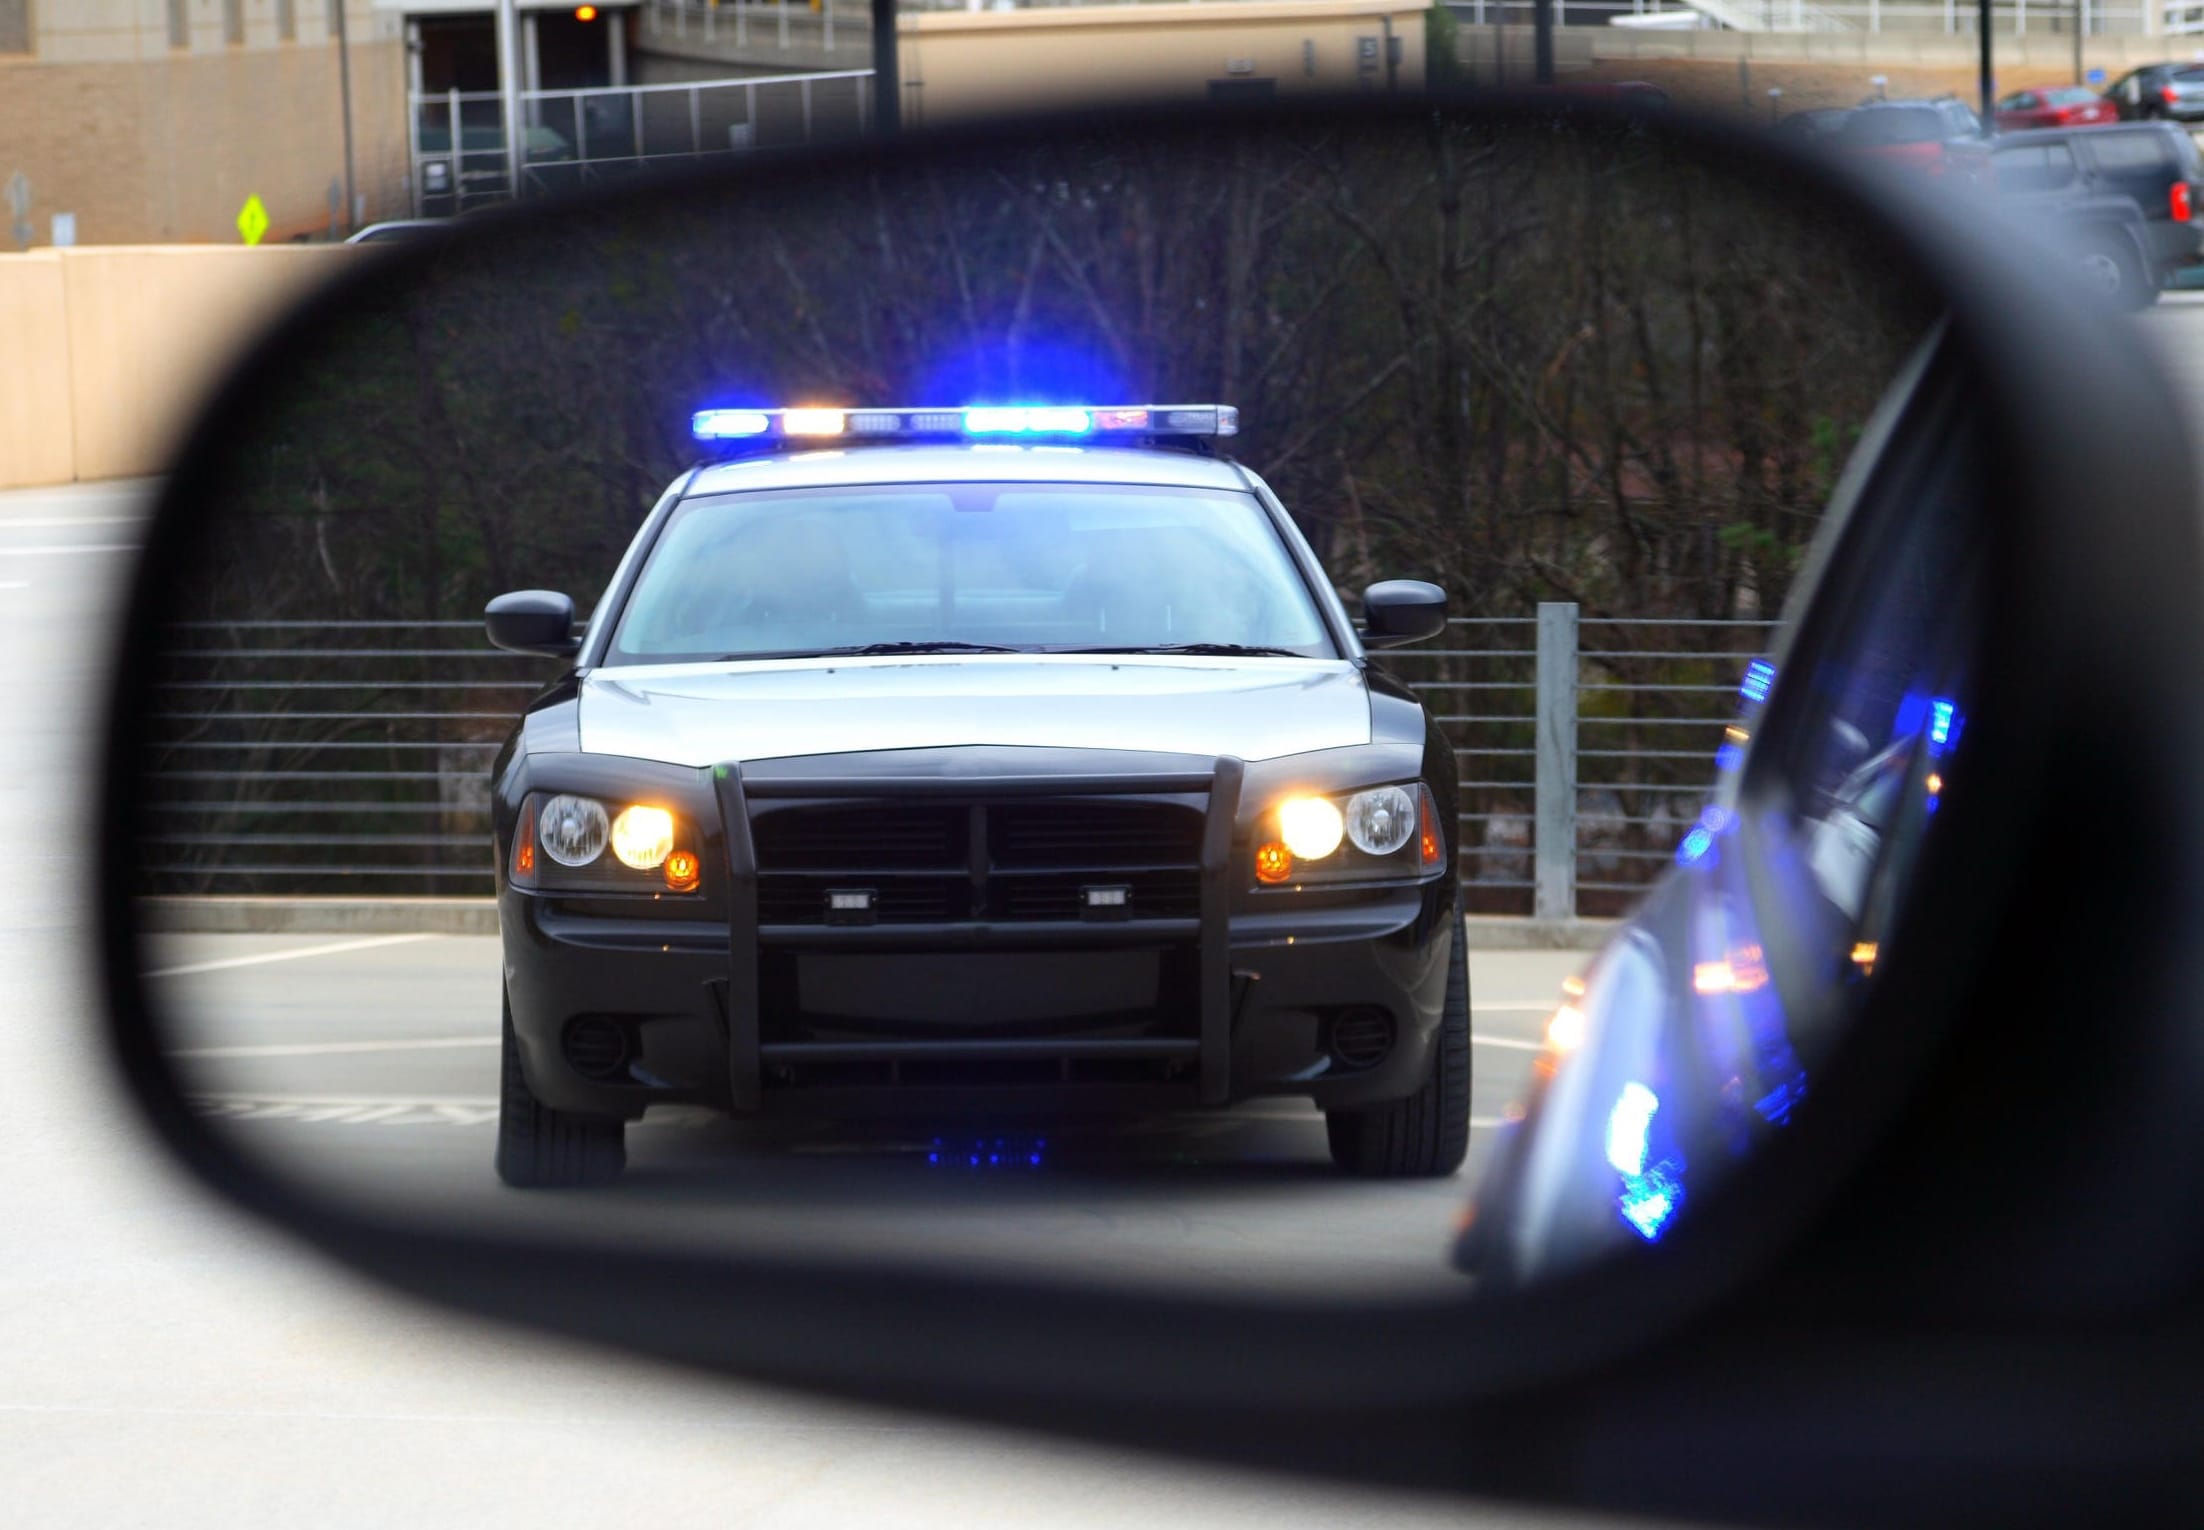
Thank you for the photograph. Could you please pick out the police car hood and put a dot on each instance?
(705, 714)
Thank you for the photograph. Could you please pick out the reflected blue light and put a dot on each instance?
(1627, 1126)
(1649, 1197)
(1649, 1201)
(1697, 846)
(1945, 722)
(1759, 675)
(729, 424)
(988, 1152)
(1727, 757)
(1775, 1105)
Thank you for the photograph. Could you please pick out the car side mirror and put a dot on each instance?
(1397, 612)
(533, 621)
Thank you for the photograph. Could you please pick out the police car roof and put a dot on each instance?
(968, 462)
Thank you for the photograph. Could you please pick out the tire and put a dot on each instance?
(1426, 1135)
(539, 1148)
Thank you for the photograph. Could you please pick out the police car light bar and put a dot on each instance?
(991, 421)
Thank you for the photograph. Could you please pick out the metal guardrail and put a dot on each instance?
(828, 27)
(456, 138)
(321, 757)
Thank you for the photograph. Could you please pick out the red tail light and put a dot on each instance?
(2180, 201)
(2166, 94)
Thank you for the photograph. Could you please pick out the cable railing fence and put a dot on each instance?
(317, 758)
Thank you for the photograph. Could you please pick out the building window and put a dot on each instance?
(287, 20)
(233, 22)
(179, 24)
(15, 26)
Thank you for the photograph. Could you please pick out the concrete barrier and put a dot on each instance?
(107, 351)
(478, 916)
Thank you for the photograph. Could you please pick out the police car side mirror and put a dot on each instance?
(1898, 1228)
(1397, 612)
(533, 621)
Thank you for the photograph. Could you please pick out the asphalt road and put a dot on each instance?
(370, 1063)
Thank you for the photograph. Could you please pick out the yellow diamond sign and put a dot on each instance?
(252, 220)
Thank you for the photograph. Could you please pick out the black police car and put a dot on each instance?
(987, 760)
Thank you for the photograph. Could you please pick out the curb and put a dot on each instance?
(478, 916)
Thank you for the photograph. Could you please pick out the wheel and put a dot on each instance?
(2113, 272)
(1425, 1135)
(539, 1148)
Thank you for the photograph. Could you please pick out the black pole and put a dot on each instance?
(344, 90)
(887, 85)
(2081, 76)
(1542, 46)
(1989, 88)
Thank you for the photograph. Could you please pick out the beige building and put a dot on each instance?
(155, 120)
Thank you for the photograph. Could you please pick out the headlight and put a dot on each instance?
(1392, 831)
(1311, 827)
(642, 837)
(573, 829)
(560, 840)
(1379, 822)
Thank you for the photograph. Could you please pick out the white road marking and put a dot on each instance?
(14, 584)
(1513, 1043)
(288, 956)
(1538, 1008)
(72, 547)
(331, 1048)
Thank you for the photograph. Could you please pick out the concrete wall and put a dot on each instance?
(145, 142)
(105, 353)
(956, 63)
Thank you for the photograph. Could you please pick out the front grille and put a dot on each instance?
(935, 862)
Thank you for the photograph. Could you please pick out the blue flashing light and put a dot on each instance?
(1728, 756)
(1759, 675)
(729, 424)
(1027, 420)
(1697, 846)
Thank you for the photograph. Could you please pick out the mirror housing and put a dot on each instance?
(1397, 612)
(533, 621)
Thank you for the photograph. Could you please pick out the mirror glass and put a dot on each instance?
(971, 829)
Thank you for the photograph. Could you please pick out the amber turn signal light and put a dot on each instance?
(1430, 844)
(1273, 862)
(682, 871)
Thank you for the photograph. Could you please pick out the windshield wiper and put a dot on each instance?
(1229, 650)
(864, 650)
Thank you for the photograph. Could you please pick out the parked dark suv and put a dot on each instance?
(2170, 92)
(2154, 164)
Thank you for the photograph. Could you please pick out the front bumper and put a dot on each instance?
(617, 1007)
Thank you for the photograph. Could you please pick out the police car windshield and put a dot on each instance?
(1023, 567)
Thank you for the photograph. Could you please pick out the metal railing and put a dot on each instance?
(456, 138)
(831, 26)
(2096, 18)
(318, 757)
